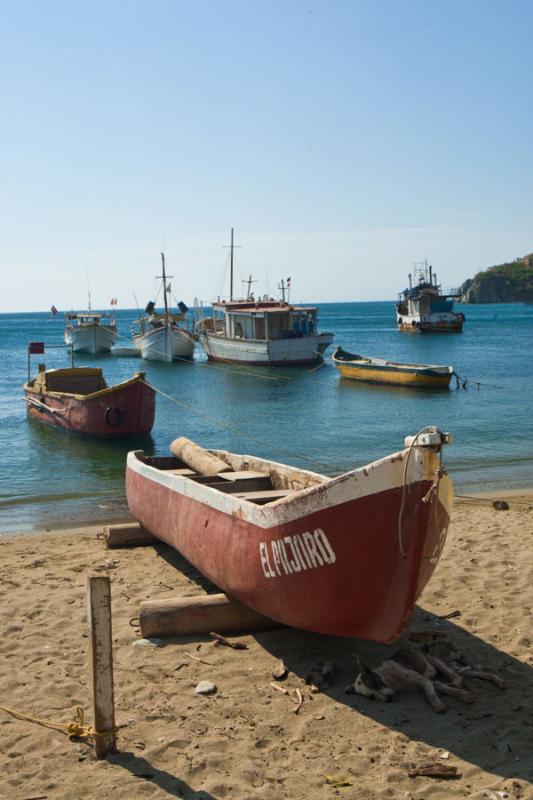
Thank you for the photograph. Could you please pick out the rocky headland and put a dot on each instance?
(503, 283)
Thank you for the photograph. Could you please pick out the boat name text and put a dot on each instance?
(296, 553)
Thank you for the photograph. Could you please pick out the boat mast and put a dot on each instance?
(164, 286)
(231, 269)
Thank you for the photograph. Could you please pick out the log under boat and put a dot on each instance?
(347, 555)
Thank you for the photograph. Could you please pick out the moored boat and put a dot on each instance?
(162, 337)
(425, 307)
(78, 399)
(378, 370)
(347, 555)
(90, 332)
(262, 331)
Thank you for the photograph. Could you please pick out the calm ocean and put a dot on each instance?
(306, 417)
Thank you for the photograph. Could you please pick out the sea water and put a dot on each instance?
(305, 416)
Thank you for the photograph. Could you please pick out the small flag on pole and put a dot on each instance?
(53, 309)
(36, 348)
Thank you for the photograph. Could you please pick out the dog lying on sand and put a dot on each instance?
(409, 668)
(452, 664)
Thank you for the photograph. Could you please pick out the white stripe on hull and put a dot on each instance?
(379, 476)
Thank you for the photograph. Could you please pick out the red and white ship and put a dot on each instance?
(424, 307)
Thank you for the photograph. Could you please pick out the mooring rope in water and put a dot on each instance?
(233, 428)
(462, 383)
(244, 371)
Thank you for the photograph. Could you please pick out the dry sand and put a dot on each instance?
(246, 742)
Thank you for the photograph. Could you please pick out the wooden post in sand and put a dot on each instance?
(99, 619)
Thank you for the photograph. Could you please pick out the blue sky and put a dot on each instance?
(342, 140)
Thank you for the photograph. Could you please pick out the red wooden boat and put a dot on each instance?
(78, 399)
(347, 555)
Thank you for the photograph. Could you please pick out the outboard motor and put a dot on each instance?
(150, 307)
(182, 307)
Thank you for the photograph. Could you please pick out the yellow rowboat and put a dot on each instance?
(378, 370)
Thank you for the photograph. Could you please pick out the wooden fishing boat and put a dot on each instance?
(347, 555)
(78, 399)
(378, 370)
(90, 332)
(262, 331)
(162, 337)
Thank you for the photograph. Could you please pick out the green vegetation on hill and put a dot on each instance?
(503, 283)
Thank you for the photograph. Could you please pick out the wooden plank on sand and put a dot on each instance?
(185, 615)
(130, 534)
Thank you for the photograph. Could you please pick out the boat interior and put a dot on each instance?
(254, 480)
(76, 380)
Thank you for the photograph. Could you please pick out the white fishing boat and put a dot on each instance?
(162, 337)
(264, 332)
(90, 332)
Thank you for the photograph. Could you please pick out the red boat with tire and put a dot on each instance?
(78, 399)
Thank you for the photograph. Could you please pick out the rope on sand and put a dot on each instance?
(77, 729)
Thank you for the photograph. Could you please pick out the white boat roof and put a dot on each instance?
(260, 306)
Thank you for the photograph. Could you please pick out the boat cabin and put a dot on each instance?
(264, 320)
(86, 318)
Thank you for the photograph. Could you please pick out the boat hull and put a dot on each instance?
(443, 323)
(271, 353)
(424, 377)
(166, 344)
(337, 561)
(90, 339)
(124, 410)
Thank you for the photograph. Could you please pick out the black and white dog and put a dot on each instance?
(409, 668)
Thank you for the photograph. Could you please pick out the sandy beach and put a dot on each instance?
(246, 741)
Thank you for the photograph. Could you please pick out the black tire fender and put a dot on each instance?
(112, 416)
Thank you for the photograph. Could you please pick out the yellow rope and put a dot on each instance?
(74, 730)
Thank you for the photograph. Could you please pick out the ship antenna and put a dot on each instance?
(88, 288)
(249, 282)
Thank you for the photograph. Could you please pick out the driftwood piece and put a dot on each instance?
(202, 614)
(434, 771)
(130, 534)
(197, 458)
(219, 639)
